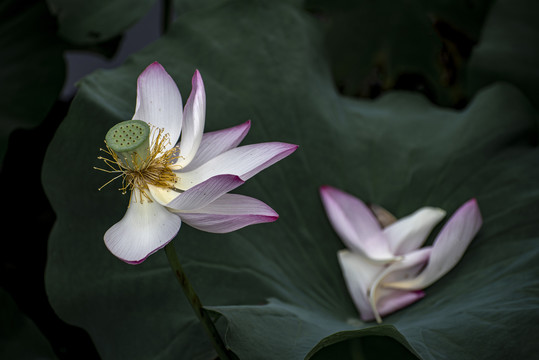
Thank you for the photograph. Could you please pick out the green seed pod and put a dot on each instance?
(130, 140)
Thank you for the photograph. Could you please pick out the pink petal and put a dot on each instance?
(159, 102)
(145, 228)
(448, 247)
(194, 116)
(228, 213)
(407, 267)
(204, 193)
(410, 232)
(397, 299)
(244, 161)
(355, 224)
(216, 142)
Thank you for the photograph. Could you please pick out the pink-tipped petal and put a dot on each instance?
(217, 142)
(407, 267)
(244, 161)
(393, 300)
(159, 102)
(359, 274)
(204, 193)
(194, 116)
(228, 213)
(410, 232)
(448, 247)
(145, 228)
(355, 224)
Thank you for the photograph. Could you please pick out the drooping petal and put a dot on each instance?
(228, 213)
(448, 247)
(244, 161)
(217, 142)
(194, 116)
(392, 300)
(410, 232)
(355, 224)
(199, 195)
(359, 274)
(407, 267)
(145, 228)
(159, 102)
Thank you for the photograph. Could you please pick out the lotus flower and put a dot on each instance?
(189, 180)
(386, 269)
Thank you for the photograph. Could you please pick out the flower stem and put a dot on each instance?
(166, 17)
(196, 305)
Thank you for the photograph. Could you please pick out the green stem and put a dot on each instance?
(196, 305)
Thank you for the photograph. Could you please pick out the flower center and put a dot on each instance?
(138, 155)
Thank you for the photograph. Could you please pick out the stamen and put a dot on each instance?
(137, 168)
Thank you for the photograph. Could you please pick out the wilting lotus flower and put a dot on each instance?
(187, 181)
(385, 269)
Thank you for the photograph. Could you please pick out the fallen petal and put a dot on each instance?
(410, 232)
(359, 274)
(355, 224)
(448, 247)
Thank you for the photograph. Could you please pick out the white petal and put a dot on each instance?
(244, 161)
(410, 232)
(359, 274)
(355, 224)
(228, 213)
(448, 247)
(194, 116)
(405, 268)
(159, 102)
(145, 228)
(204, 193)
(217, 142)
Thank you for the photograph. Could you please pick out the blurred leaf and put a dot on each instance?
(279, 285)
(93, 21)
(32, 68)
(508, 48)
(375, 46)
(19, 336)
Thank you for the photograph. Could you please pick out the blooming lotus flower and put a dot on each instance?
(187, 181)
(385, 269)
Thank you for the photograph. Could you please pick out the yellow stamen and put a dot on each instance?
(155, 169)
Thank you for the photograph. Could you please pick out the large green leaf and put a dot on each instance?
(278, 287)
(32, 68)
(93, 21)
(508, 48)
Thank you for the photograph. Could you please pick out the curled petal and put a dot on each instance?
(145, 228)
(194, 116)
(217, 142)
(200, 195)
(391, 300)
(228, 213)
(410, 232)
(159, 102)
(244, 161)
(407, 267)
(355, 224)
(448, 247)
(359, 274)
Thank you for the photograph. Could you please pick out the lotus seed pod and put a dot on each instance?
(130, 140)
